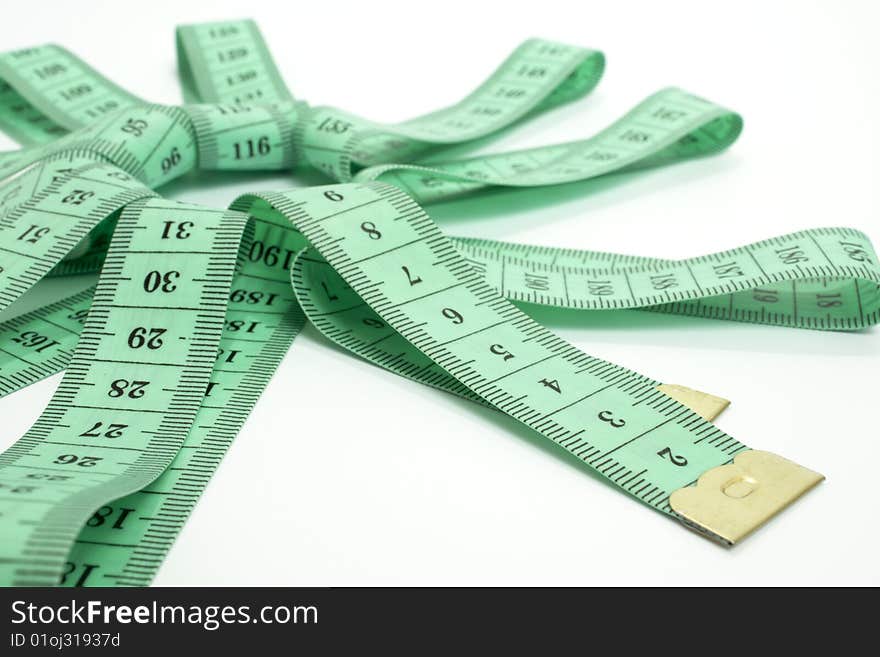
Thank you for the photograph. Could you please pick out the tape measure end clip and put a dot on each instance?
(729, 502)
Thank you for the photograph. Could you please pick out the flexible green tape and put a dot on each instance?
(195, 307)
(821, 279)
(47, 91)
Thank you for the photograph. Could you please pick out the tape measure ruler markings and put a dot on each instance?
(189, 133)
(91, 444)
(38, 233)
(822, 278)
(173, 126)
(234, 389)
(344, 318)
(202, 116)
(526, 278)
(87, 568)
(40, 343)
(613, 419)
(227, 62)
(68, 93)
(79, 572)
(125, 540)
(61, 86)
(668, 126)
(555, 85)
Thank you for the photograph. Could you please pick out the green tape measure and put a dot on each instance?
(195, 307)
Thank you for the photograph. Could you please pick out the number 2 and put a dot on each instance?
(680, 461)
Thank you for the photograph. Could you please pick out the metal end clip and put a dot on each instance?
(731, 501)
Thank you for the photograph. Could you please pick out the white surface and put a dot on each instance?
(347, 475)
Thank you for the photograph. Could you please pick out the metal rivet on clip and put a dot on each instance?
(731, 501)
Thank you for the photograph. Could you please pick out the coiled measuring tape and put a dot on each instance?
(196, 306)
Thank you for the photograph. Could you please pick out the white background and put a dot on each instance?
(418, 488)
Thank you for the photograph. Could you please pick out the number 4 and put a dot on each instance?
(553, 385)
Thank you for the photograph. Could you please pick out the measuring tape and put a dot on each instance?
(195, 307)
